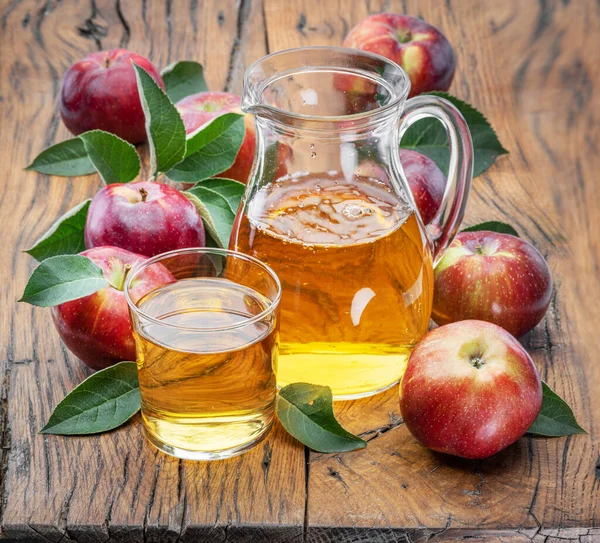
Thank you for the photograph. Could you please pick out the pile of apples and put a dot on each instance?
(470, 388)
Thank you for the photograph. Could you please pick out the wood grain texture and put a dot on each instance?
(527, 66)
(113, 487)
(530, 67)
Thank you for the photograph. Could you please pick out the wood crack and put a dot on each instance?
(5, 438)
(242, 14)
(92, 29)
(126, 28)
(371, 435)
(306, 493)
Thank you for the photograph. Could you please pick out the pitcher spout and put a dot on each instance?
(323, 83)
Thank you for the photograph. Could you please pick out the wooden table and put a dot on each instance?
(532, 68)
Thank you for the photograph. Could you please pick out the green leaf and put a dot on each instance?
(493, 226)
(65, 236)
(104, 401)
(556, 418)
(211, 149)
(183, 78)
(230, 189)
(67, 158)
(215, 129)
(63, 278)
(115, 159)
(216, 212)
(306, 412)
(428, 136)
(164, 126)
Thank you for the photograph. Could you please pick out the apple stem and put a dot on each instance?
(404, 36)
(143, 194)
(106, 62)
(126, 271)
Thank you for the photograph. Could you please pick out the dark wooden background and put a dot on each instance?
(533, 68)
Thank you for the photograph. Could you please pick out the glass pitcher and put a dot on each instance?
(328, 207)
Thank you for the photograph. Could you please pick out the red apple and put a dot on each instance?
(198, 109)
(420, 48)
(96, 328)
(100, 92)
(492, 277)
(426, 181)
(470, 389)
(146, 217)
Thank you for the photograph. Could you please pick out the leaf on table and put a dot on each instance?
(556, 418)
(105, 400)
(306, 412)
(115, 159)
(216, 212)
(65, 236)
(61, 279)
(428, 137)
(493, 226)
(231, 190)
(212, 149)
(182, 79)
(164, 126)
(67, 158)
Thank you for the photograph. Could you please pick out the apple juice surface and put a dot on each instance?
(357, 279)
(206, 390)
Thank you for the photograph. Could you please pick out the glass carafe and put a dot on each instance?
(329, 208)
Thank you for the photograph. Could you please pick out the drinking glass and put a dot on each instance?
(207, 341)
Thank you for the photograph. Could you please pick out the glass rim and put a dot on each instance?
(251, 104)
(273, 304)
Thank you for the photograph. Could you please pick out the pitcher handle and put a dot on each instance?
(445, 225)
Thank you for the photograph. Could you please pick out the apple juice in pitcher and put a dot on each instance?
(356, 274)
(340, 227)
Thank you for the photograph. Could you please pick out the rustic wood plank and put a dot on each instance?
(527, 66)
(113, 487)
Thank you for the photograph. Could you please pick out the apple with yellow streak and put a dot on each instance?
(492, 277)
(418, 47)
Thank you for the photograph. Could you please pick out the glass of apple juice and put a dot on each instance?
(207, 343)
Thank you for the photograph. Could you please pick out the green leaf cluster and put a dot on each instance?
(207, 152)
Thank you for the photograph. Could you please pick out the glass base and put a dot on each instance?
(187, 454)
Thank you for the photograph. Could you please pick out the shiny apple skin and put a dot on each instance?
(426, 181)
(418, 47)
(100, 93)
(163, 220)
(451, 406)
(492, 277)
(97, 328)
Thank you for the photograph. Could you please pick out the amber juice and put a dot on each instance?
(357, 279)
(207, 386)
